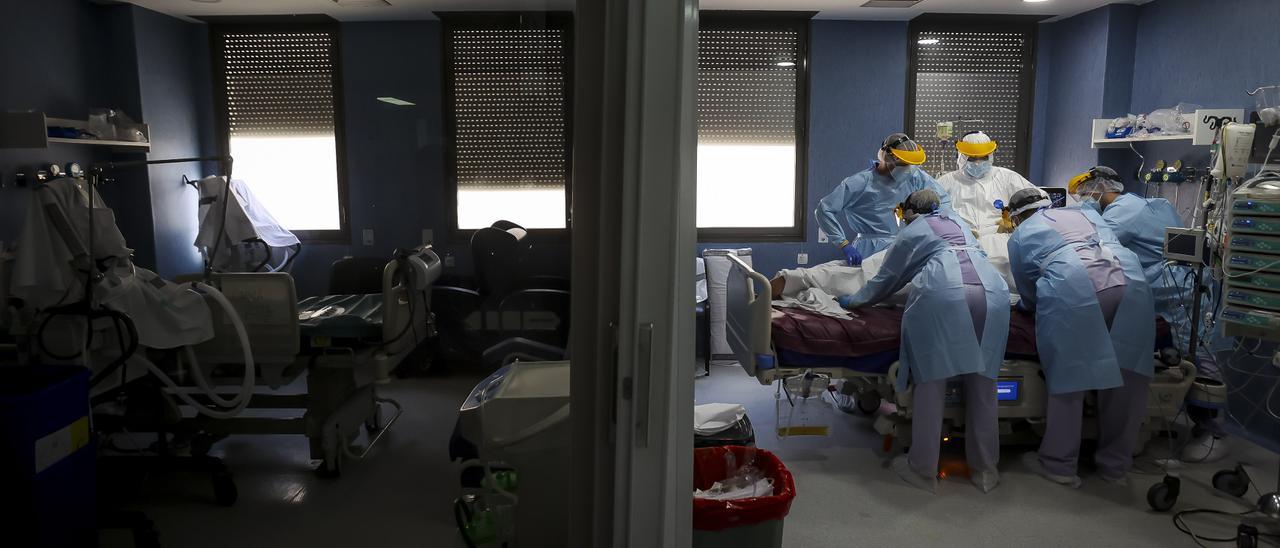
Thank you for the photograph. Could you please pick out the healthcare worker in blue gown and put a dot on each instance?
(1095, 330)
(867, 199)
(1138, 224)
(955, 326)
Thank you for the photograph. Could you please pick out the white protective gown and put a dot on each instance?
(974, 200)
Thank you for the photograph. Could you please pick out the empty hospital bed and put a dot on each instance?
(345, 344)
(774, 343)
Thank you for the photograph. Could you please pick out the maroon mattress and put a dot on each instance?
(875, 330)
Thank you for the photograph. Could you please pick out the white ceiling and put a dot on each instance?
(422, 9)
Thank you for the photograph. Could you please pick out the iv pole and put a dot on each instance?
(96, 176)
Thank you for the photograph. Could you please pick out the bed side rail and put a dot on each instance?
(748, 323)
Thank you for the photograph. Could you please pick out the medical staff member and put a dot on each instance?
(1087, 291)
(867, 199)
(977, 183)
(1138, 224)
(975, 186)
(956, 325)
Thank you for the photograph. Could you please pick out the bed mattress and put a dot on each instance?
(342, 317)
(868, 342)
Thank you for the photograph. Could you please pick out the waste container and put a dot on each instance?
(47, 466)
(754, 522)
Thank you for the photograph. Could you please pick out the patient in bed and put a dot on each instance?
(808, 287)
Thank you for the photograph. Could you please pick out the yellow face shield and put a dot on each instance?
(905, 151)
(974, 150)
(912, 157)
(1073, 186)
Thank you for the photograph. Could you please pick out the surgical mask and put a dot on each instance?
(978, 169)
(1091, 202)
(900, 173)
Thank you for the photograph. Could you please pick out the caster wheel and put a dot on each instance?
(868, 402)
(1162, 496)
(224, 489)
(1231, 482)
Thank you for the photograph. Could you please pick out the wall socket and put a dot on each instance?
(822, 237)
(366, 236)
(802, 258)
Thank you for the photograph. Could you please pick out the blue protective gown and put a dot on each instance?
(867, 200)
(938, 336)
(1048, 254)
(1138, 223)
(1133, 332)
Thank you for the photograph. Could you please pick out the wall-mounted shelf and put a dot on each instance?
(1100, 139)
(31, 130)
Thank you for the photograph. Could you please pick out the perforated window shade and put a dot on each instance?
(278, 82)
(969, 75)
(508, 99)
(747, 85)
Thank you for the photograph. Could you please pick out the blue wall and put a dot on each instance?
(174, 85)
(394, 154)
(1075, 60)
(152, 67)
(853, 104)
(88, 64)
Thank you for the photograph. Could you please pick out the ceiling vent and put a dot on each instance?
(890, 3)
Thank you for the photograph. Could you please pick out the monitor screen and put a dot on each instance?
(1057, 195)
(1007, 390)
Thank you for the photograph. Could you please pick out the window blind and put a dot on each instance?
(278, 83)
(747, 85)
(973, 75)
(508, 98)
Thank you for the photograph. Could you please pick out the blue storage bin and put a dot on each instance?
(47, 457)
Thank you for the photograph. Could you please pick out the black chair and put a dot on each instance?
(356, 275)
(512, 313)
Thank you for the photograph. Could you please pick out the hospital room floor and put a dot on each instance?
(847, 496)
(401, 496)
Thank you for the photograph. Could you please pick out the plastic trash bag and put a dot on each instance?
(716, 464)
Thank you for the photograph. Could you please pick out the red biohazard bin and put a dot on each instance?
(744, 523)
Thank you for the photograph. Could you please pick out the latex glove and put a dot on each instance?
(1005, 225)
(846, 301)
(851, 254)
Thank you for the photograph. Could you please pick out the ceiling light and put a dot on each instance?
(206, 1)
(786, 63)
(396, 102)
(928, 41)
(1034, 1)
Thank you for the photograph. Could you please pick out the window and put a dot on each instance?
(979, 73)
(507, 118)
(277, 95)
(752, 104)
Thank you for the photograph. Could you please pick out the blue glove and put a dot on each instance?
(846, 301)
(851, 254)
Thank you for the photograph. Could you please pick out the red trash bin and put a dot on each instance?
(743, 523)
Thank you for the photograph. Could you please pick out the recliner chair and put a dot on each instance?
(512, 313)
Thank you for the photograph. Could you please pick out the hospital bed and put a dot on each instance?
(345, 344)
(774, 343)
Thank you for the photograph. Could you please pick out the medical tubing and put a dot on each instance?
(250, 374)
(123, 323)
(266, 257)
